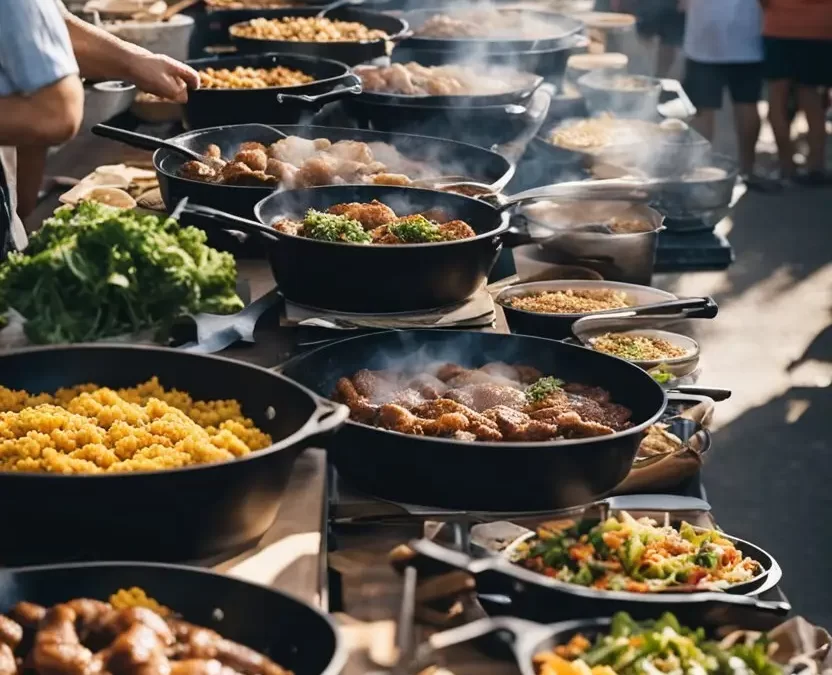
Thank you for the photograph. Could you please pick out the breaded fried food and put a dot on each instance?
(456, 229)
(372, 215)
(252, 145)
(254, 158)
(197, 171)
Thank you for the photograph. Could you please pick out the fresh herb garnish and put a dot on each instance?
(416, 229)
(330, 227)
(661, 375)
(542, 388)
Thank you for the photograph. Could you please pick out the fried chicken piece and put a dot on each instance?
(451, 423)
(296, 150)
(287, 227)
(315, 171)
(394, 417)
(284, 172)
(397, 179)
(372, 215)
(469, 377)
(202, 643)
(371, 79)
(254, 159)
(444, 406)
(57, 649)
(517, 426)
(481, 397)
(456, 229)
(571, 425)
(200, 667)
(590, 410)
(383, 235)
(407, 398)
(237, 173)
(350, 170)
(428, 386)
(28, 614)
(252, 145)
(213, 151)
(464, 436)
(197, 171)
(376, 385)
(354, 151)
(527, 374)
(436, 215)
(448, 371)
(361, 409)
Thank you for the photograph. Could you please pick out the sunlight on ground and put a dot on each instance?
(759, 334)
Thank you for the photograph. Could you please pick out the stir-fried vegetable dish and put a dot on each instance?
(661, 647)
(95, 271)
(625, 554)
(374, 223)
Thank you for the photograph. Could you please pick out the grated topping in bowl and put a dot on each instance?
(571, 301)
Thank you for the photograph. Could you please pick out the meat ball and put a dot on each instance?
(286, 227)
(197, 171)
(252, 145)
(372, 215)
(256, 160)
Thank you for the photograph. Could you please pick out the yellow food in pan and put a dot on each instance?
(92, 429)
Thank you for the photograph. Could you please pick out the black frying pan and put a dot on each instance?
(524, 85)
(182, 514)
(563, 32)
(351, 53)
(373, 278)
(446, 156)
(524, 639)
(292, 633)
(271, 105)
(477, 475)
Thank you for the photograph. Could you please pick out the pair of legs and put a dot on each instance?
(804, 66)
(665, 24)
(705, 84)
(810, 101)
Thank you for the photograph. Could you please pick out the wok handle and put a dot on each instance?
(328, 416)
(683, 308)
(229, 221)
(713, 393)
(611, 189)
(352, 86)
(142, 141)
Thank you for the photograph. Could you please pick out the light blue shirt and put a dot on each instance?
(724, 31)
(35, 50)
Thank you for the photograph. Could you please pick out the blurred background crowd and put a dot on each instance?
(777, 51)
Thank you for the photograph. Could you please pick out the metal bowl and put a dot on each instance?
(559, 326)
(679, 366)
(603, 96)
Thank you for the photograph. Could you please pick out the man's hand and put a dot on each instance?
(162, 76)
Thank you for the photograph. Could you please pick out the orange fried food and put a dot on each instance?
(372, 215)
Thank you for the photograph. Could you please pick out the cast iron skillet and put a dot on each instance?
(477, 475)
(272, 105)
(292, 633)
(448, 156)
(523, 639)
(564, 29)
(351, 53)
(376, 278)
(372, 278)
(182, 514)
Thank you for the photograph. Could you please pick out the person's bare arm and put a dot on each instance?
(102, 56)
(49, 116)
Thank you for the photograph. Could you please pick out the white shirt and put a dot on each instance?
(724, 31)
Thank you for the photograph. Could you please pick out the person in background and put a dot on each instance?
(797, 45)
(43, 50)
(661, 21)
(724, 50)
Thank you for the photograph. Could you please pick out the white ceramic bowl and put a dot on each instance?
(679, 366)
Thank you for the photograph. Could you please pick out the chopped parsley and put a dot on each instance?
(416, 229)
(329, 227)
(661, 375)
(543, 388)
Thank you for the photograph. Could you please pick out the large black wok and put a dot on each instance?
(292, 633)
(481, 476)
(181, 514)
(270, 105)
(351, 53)
(445, 155)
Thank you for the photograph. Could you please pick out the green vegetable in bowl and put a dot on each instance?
(661, 375)
(542, 388)
(95, 271)
(329, 227)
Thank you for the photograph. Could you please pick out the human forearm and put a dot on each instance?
(49, 116)
(102, 56)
